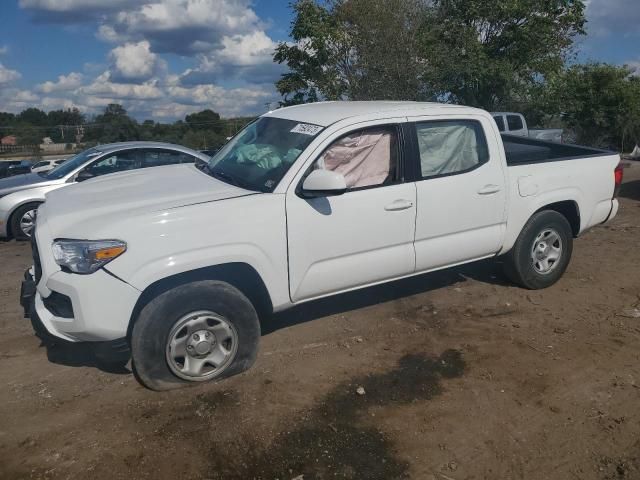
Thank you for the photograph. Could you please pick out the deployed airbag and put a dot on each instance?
(363, 158)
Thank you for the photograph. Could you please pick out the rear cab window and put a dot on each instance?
(514, 122)
(450, 147)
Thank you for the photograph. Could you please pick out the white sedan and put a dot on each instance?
(46, 165)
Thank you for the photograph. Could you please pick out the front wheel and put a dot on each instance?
(198, 332)
(542, 251)
(23, 220)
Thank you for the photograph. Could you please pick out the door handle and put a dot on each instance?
(489, 189)
(398, 205)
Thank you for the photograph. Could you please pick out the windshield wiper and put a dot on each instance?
(227, 178)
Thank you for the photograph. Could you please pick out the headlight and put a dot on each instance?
(86, 256)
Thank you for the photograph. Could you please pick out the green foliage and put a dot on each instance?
(494, 53)
(601, 103)
(204, 120)
(320, 60)
(33, 116)
(483, 53)
(114, 125)
(200, 130)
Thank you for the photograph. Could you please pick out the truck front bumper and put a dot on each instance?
(77, 308)
(50, 332)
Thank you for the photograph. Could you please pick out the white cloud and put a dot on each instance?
(134, 61)
(108, 34)
(634, 66)
(70, 5)
(64, 83)
(103, 87)
(185, 26)
(7, 75)
(619, 17)
(15, 100)
(248, 57)
(25, 96)
(225, 40)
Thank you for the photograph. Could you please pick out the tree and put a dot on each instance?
(601, 103)
(114, 125)
(491, 53)
(57, 119)
(33, 116)
(356, 49)
(115, 110)
(7, 119)
(321, 60)
(204, 120)
(478, 52)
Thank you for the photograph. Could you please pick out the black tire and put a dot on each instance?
(153, 326)
(16, 231)
(519, 263)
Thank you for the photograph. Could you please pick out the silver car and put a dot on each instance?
(21, 195)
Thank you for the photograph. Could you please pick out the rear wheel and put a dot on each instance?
(23, 220)
(542, 252)
(198, 332)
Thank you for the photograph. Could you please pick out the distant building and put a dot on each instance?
(9, 140)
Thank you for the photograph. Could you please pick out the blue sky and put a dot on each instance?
(163, 59)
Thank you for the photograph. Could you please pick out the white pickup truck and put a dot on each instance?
(511, 123)
(180, 264)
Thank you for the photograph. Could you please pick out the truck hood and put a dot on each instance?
(83, 210)
(22, 182)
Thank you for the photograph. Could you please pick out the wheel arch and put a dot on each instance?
(12, 212)
(240, 275)
(567, 208)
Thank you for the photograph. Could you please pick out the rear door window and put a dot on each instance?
(156, 157)
(514, 122)
(450, 147)
(115, 162)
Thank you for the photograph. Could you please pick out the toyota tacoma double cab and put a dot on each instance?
(179, 264)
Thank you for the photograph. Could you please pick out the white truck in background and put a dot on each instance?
(181, 264)
(511, 123)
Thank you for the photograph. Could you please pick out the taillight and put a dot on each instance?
(618, 175)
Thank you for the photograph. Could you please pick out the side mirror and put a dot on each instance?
(324, 183)
(84, 175)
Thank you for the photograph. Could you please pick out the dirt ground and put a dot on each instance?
(465, 377)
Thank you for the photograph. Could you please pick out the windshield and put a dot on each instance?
(70, 165)
(259, 156)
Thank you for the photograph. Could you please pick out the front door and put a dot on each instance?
(364, 236)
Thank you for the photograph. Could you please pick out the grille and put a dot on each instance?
(37, 267)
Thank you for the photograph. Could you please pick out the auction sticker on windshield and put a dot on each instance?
(306, 129)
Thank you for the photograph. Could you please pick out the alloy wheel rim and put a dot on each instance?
(27, 222)
(546, 251)
(201, 346)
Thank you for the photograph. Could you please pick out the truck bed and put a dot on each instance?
(523, 151)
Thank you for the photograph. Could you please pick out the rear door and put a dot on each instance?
(460, 184)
